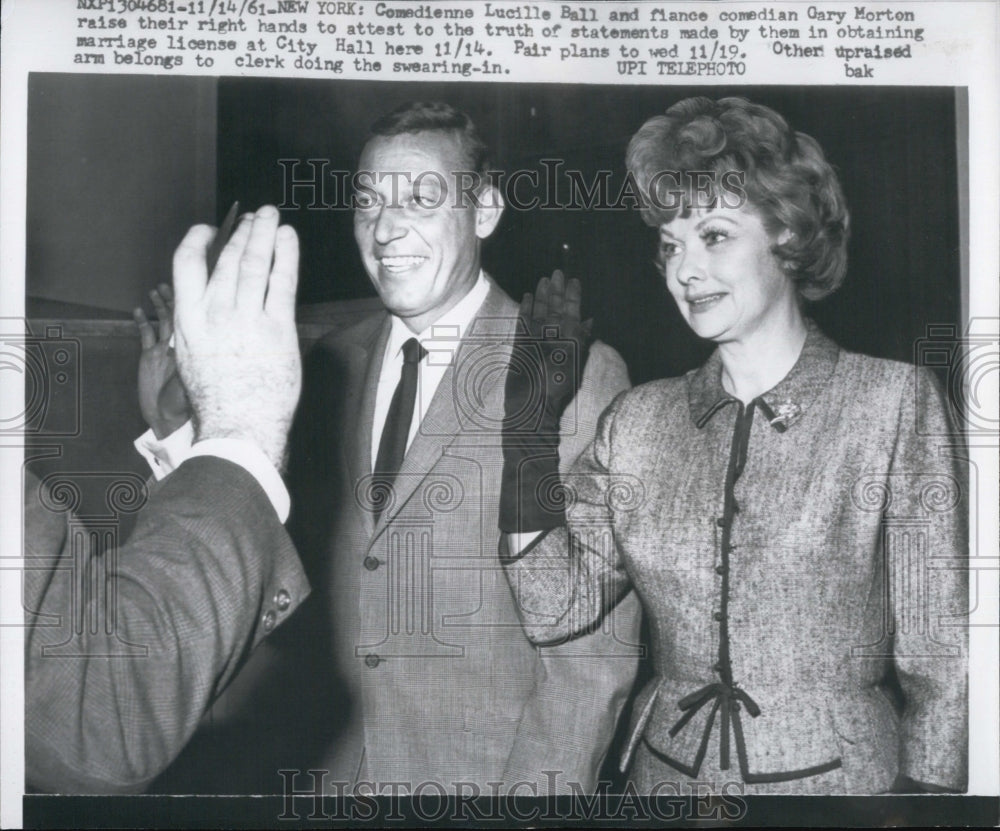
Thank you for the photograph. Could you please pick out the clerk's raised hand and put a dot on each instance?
(236, 342)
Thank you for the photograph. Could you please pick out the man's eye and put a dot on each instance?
(425, 200)
(364, 200)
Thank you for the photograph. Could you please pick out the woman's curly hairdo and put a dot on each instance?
(786, 178)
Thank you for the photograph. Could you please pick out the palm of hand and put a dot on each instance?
(162, 399)
(161, 393)
(548, 356)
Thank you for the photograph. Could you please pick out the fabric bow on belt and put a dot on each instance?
(727, 700)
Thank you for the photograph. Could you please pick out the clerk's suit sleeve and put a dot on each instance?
(208, 571)
(581, 685)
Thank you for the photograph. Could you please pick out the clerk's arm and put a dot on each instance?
(209, 569)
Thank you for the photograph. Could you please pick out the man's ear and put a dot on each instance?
(489, 209)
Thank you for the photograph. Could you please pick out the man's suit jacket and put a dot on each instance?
(119, 673)
(428, 675)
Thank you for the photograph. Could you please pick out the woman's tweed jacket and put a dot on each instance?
(792, 556)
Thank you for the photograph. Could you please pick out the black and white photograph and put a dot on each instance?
(410, 451)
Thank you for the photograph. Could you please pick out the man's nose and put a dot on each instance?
(389, 225)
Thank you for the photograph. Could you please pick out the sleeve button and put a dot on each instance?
(269, 620)
(282, 600)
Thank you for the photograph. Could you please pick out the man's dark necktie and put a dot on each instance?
(392, 446)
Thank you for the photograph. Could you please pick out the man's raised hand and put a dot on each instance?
(236, 343)
(162, 399)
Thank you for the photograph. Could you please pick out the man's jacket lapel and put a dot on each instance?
(366, 366)
(467, 401)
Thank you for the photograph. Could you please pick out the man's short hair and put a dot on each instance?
(424, 116)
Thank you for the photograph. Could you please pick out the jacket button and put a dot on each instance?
(717, 615)
(721, 569)
(269, 620)
(372, 563)
(721, 522)
(717, 667)
(282, 600)
(372, 661)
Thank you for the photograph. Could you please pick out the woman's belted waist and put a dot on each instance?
(725, 699)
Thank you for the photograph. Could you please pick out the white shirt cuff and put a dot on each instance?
(165, 455)
(252, 459)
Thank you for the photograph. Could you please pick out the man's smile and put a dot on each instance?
(398, 264)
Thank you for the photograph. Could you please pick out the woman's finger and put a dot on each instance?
(574, 297)
(541, 310)
(557, 292)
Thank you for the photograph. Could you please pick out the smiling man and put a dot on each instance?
(411, 671)
(419, 245)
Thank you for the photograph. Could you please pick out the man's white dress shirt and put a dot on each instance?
(441, 340)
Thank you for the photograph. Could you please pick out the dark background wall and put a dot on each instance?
(119, 166)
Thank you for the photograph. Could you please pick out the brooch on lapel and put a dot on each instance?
(785, 414)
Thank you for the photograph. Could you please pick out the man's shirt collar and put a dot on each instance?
(447, 329)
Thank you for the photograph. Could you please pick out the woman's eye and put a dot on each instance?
(712, 236)
(668, 249)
